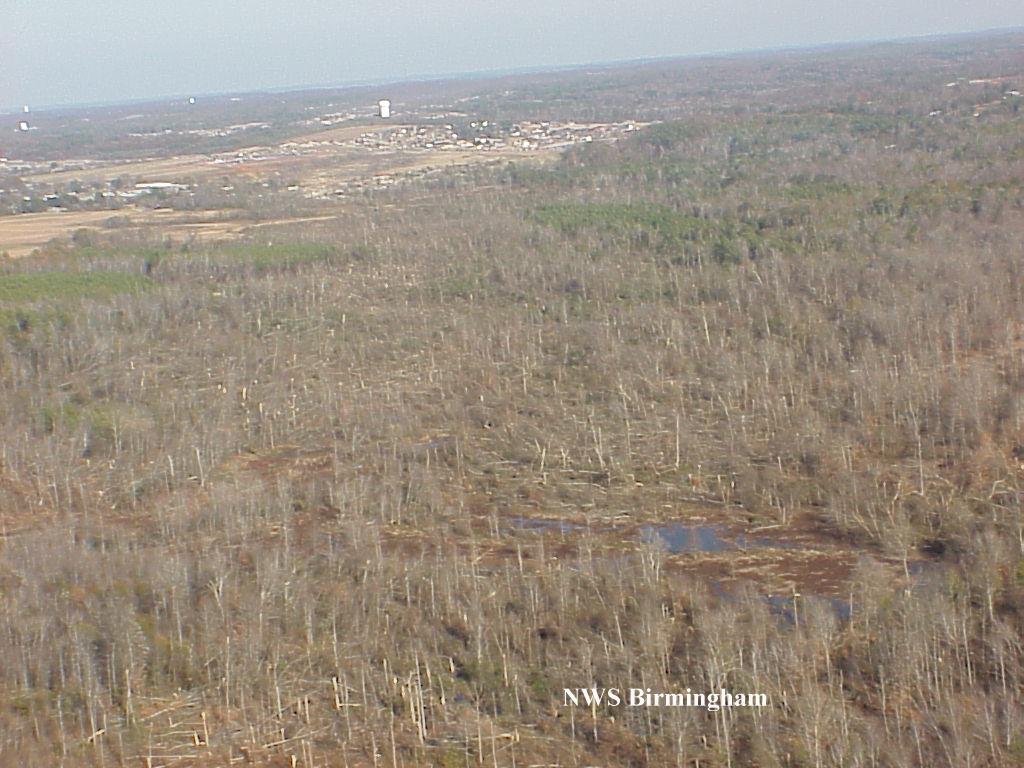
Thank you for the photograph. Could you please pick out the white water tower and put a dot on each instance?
(384, 108)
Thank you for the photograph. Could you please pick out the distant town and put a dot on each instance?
(77, 184)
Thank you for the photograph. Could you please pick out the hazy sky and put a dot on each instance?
(79, 51)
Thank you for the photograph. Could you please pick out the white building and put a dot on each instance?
(160, 186)
(384, 108)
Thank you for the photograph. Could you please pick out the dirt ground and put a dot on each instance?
(21, 235)
(325, 165)
(165, 169)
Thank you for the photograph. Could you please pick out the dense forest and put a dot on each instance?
(373, 490)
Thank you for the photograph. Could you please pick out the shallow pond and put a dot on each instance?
(682, 538)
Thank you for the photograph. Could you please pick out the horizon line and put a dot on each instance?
(441, 77)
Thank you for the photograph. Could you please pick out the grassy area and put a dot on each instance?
(34, 299)
(59, 287)
(724, 238)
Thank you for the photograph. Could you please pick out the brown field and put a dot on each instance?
(349, 132)
(344, 162)
(318, 171)
(164, 169)
(21, 235)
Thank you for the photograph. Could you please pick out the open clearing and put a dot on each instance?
(20, 235)
(319, 165)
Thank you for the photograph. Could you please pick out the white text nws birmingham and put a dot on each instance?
(645, 697)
